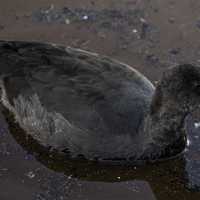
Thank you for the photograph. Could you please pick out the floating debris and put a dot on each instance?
(130, 24)
(106, 18)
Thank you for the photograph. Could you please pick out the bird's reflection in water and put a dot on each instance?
(192, 155)
(177, 178)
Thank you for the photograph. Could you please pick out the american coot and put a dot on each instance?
(76, 101)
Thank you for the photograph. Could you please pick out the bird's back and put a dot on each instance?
(78, 100)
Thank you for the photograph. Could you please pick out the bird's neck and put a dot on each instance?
(164, 129)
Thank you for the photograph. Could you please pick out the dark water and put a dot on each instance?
(149, 35)
(30, 172)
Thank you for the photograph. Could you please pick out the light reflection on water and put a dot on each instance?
(192, 155)
(178, 177)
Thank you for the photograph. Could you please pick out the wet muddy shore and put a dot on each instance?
(149, 35)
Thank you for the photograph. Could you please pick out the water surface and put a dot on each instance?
(149, 35)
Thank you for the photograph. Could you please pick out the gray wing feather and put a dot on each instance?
(99, 98)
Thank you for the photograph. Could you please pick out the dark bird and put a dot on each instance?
(91, 105)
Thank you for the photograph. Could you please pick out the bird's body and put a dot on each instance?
(77, 101)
